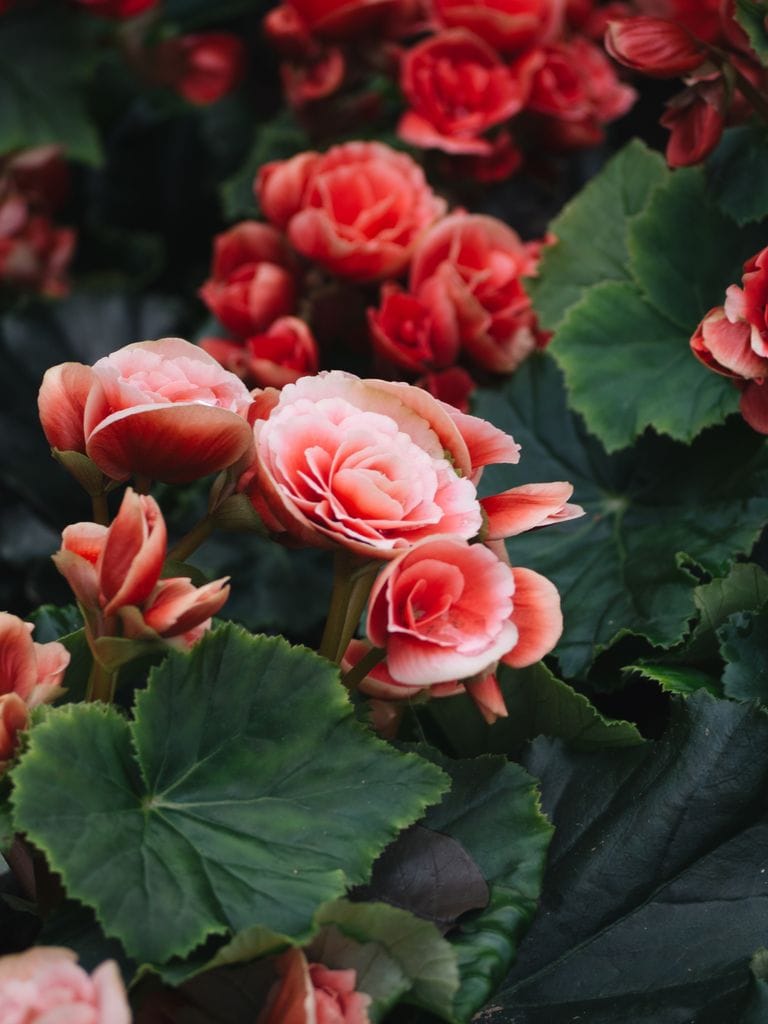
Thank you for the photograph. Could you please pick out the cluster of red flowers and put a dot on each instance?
(364, 213)
(481, 80)
(700, 41)
(34, 251)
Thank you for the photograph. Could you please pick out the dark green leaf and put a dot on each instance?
(745, 588)
(656, 886)
(428, 874)
(628, 367)
(52, 622)
(617, 569)
(538, 704)
(744, 646)
(678, 679)
(493, 811)
(592, 232)
(244, 793)
(73, 925)
(396, 955)
(685, 252)
(42, 64)
(735, 169)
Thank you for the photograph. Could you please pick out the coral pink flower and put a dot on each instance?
(161, 409)
(202, 67)
(358, 209)
(733, 340)
(284, 353)
(508, 25)
(454, 386)
(313, 994)
(114, 573)
(343, 19)
(30, 674)
(369, 465)
(457, 88)
(446, 611)
(478, 264)
(419, 332)
(375, 466)
(45, 985)
(253, 278)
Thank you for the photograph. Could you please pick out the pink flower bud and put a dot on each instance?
(314, 994)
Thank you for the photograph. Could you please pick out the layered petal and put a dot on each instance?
(537, 616)
(61, 404)
(133, 554)
(527, 507)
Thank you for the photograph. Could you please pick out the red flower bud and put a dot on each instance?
(655, 46)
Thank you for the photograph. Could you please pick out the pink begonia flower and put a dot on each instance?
(114, 573)
(45, 985)
(448, 611)
(30, 674)
(375, 466)
(358, 209)
(163, 409)
(314, 994)
(732, 340)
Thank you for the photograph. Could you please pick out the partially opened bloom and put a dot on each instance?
(30, 674)
(202, 67)
(160, 409)
(114, 573)
(448, 611)
(509, 25)
(476, 264)
(656, 46)
(45, 985)
(253, 278)
(311, 993)
(285, 352)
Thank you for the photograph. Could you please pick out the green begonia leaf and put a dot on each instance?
(654, 897)
(591, 232)
(751, 15)
(744, 646)
(41, 70)
(685, 252)
(735, 172)
(539, 704)
(678, 678)
(618, 569)
(243, 793)
(745, 588)
(493, 811)
(628, 367)
(395, 955)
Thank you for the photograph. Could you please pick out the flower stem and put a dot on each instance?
(100, 509)
(101, 683)
(359, 671)
(191, 541)
(352, 581)
(143, 484)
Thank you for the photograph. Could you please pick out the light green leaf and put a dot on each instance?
(591, 232)
(751, 15)
(244, 793)
(677, 679)
(628, 367)
(685, 252)
(617, 569)
(396, 955)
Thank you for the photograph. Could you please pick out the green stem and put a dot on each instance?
(359, 671)
(352, 581)
(100, 509)
(191, 541)
(101, 683)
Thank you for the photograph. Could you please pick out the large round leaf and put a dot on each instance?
(244, 793)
